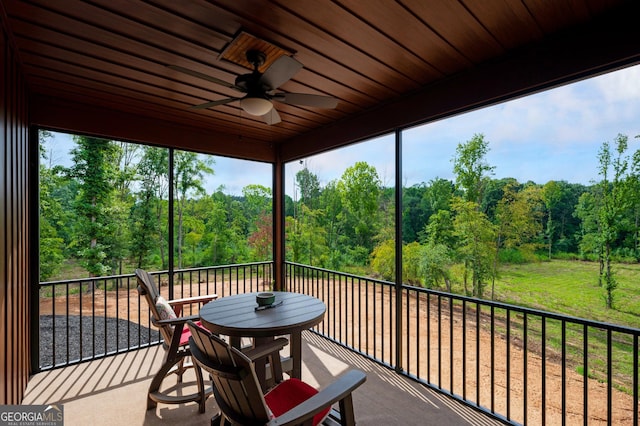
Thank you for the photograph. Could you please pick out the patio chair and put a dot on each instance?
(240, 398)
(167, 317)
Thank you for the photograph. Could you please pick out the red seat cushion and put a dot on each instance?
(290, 393)
(184, 338)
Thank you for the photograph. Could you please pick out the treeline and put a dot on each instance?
(109, 211)
(463, 230)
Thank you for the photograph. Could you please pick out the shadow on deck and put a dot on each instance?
(113, 390)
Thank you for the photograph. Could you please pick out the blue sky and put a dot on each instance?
(552, 135)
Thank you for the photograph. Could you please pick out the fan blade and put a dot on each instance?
(205, 77)
(280, 72)
(214, 103)
(304, 99)
(272, 117)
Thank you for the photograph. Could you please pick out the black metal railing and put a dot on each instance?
(516, 364)
(86, 319)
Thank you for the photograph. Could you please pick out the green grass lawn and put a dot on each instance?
(571, 287)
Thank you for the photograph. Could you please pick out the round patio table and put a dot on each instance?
(236, 316)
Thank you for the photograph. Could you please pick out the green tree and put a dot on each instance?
(518, 220)
(148, 221)
(51, 244)
(434, 264)
(615, 200)
(587, 210)
(95, 167)
(476, 238)
(551, 194)
(359, 189)
(189, 172)
(471, 168)
(309, 187)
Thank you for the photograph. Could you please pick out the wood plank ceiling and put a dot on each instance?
(115, 54)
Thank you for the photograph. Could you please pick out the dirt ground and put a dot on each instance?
(443, 346)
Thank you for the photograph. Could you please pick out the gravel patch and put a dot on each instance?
(83, 338)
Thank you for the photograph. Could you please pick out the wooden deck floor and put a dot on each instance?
(113, 391)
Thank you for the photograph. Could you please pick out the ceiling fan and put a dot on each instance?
(260, 88)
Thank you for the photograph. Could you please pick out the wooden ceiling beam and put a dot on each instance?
(605, 44)
(61, 115)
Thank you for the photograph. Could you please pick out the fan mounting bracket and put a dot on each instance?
(256, 58)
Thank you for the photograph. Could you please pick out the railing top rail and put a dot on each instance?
(500, 305)
(113, 277)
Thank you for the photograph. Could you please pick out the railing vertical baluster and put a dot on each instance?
(563, 339)
(464, 349)
(105, 318)
(493, 357)
(68, 328)
(525, 367)
(543, 394)
(508, 366)
(360, 314)
(636, 385)
(439, 341)
(609, 377)
(407, 327)
(451, 348)
(375, 322)
(429, 338)
(418, 334)
(118, 284)
(585, 374)
(53, 323)
(351, 301)
(478, 325)
(80, 321)
(353, 312)
(128, 312)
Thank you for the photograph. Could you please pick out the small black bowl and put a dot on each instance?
(265, 299)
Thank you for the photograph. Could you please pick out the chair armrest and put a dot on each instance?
(194, 299)
(336, 391)
(174, 321)
(178, 304)
(267, 349)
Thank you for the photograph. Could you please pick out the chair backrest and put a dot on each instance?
(235, 384)
(147, 287)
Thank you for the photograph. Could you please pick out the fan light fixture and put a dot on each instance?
(256, 106)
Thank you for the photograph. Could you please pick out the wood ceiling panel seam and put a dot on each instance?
(71, 69)
(196, 92)
(481, 24)
(298, 120)
(116, 81)
(510, 22)
(102, 51)
(345, 51)
(95, 64)
(453, 21)
(254, 138)
(362, 36)
(397, 27)
(463, 57)
(106, 24)
(69, 95)
(114, 42)
(132, 91)
(283, 40)
(161, 19)
(210, 67)
(334, 68)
